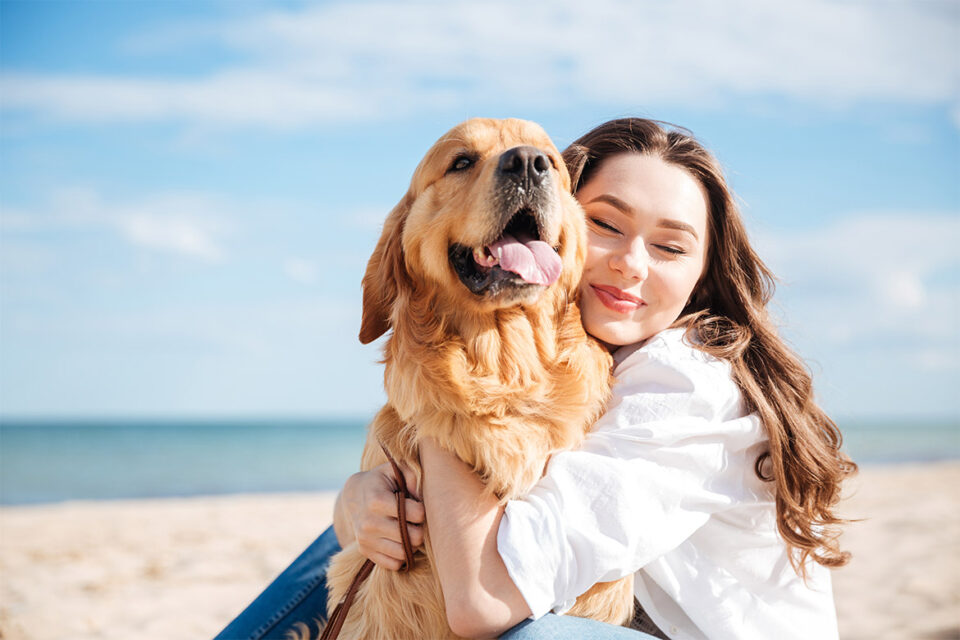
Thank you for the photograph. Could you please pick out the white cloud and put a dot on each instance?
(868, 242)
(904, 287)
(257, 357)
(301, 270)
(368, 219)
(872, 302)
(12, 219)
(188, 224)
(937, 360)
(887, 277)
(227, 98)
(180, 235)
(381, 60)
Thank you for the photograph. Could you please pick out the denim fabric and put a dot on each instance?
(299, 594)
(554, 627)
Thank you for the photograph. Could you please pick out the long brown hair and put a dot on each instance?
(728, 316)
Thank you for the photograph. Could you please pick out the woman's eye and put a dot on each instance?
(604, 225)
(460, 163)
(677, 251)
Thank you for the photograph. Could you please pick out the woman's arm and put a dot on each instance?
(673, 449)
(481, 599)
(366, 512)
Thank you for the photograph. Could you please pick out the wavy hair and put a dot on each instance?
(728, 317)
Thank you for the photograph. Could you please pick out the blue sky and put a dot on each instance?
(189, 191)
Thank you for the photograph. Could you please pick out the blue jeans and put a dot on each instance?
(554, 627)
(299, 595)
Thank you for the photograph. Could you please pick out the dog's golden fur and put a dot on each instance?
(502, 379)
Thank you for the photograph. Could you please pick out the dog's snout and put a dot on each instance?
(524, 163)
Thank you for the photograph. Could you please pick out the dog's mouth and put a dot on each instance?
(516, 259)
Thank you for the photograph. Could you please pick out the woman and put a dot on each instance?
(712, 476)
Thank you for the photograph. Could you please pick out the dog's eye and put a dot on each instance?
(460, 163)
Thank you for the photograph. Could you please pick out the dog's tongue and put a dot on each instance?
(533, 260)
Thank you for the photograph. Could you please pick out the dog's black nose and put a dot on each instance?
(524, 162)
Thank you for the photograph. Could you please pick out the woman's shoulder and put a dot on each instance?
(672, 348)
(668, 366)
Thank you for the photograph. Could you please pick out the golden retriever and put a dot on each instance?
(477, 274)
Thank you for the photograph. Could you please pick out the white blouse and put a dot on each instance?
(664, 486)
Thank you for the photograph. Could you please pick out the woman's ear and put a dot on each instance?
(386, 273)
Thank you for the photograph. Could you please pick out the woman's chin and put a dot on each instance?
(611, 335)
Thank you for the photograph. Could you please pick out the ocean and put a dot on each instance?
(52, 461)
(58, 460)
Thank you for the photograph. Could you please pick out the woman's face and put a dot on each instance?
(646, 247)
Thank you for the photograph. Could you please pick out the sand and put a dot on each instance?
(903, 581)
(166, 569)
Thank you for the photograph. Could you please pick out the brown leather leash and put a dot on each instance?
(339, 615)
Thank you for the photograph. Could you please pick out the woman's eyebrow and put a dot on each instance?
(614, 202)
(669, 223)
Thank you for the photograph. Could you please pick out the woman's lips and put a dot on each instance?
(617, 299)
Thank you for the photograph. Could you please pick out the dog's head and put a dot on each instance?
(488, 222)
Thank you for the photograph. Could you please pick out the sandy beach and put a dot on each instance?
(166, 569)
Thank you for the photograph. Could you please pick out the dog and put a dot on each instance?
(477, 273)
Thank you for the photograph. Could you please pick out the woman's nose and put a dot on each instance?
(632, 261)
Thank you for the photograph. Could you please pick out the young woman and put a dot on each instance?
(712, 477)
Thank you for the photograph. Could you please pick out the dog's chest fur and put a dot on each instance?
(502, 391)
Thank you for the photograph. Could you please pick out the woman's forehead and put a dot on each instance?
(647, 185)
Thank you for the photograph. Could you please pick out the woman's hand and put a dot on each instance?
(366, 512)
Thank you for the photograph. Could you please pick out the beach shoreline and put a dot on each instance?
(168, 568)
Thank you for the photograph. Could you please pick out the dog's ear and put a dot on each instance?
(386, 273)
(573, 238)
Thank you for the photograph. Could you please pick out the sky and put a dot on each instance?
(189, 191)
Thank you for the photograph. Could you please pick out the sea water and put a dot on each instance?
(47, 461)
(52, 461)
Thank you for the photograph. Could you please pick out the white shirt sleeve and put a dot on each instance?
(670, 451)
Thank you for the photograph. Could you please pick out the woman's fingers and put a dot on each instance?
(385, 470)
(384, 504)
(390, 527)
(416, 514)
(383, 501)
(384, 552)
(415, 532)
(410, 478)
(372, 527)
(376, 516)
(386, 562)
(391, 532)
